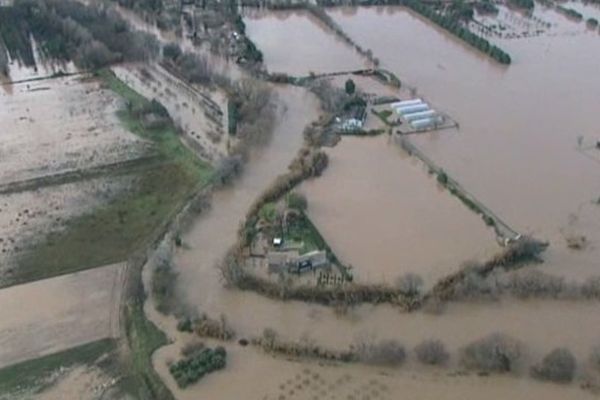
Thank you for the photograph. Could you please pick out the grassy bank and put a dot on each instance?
(111, 233)
(143, 338)
(35, 374)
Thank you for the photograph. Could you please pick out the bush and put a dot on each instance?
(227, 169)
(192, 368)
(387, 352)
(557, 366)
(432, 352)
(172, 51)
(185, 325)
(494, 353)
(268, 213)
(296, 201)
(410, 284)
(595, 357)
(350, 87)
(3, 60)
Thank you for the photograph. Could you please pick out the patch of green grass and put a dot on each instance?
(111, 233)
(166, 138)
(34, 374)
(143, 338)
(302, 230)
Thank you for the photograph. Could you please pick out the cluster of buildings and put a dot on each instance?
(288, 258)
(417, 113)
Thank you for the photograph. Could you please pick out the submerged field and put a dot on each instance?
(53, 315)
(383, 214)
(523, 146)
(519, 158)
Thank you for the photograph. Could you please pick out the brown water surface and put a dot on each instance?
(517, 146)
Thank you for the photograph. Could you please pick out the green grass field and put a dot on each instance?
(33, 375)
(111, 233)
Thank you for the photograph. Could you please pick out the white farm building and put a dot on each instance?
(416, 113)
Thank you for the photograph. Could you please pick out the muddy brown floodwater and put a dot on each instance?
(517, 146)
(500, 145)
(381, 212)
(296, 43)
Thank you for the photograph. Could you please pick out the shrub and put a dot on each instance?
(442, 178)
(432, 352)
(410, 284)
(172, 51)
(387, 352)
(350, 87)
(213, 328)
(494, 353)
(268, 212)
(557, 366)
(192, 368)
(296, 201)
(185, 325)
(3, 60)
(595, 357)
(227, 169)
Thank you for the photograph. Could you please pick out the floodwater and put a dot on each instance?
(213, 233)
(55, 314)
(59, 125)
(540, 325)
(517, 146)
(27, 216)
(381, 212)
(253, 375)
(296, 43)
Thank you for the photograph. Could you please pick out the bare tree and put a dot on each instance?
(557, 366)
(432, 352)
(228, 168)
(494, 353)
(332, 98)
(410, 284)
(3, 59)
(387, 352)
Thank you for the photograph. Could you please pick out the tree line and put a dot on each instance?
(91, 36)
(454, 26)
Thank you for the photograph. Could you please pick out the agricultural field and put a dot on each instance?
(357, 201)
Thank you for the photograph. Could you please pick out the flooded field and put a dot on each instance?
(517, 157)
(295, 43)
(51, 315)
(503, 153)
(297, 380)
(61, 125)
(525, 147)
(214, 233)
(25, 216)
(383, 214)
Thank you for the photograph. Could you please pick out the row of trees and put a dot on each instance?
(91, 36)
(495, 353)
(526, 4)
(454, 26)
